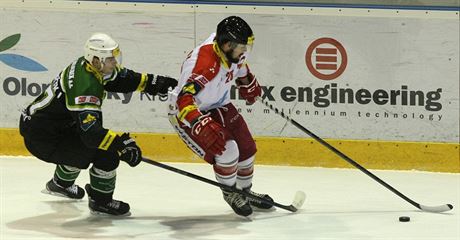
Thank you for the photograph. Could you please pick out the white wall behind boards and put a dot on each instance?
(382, 76)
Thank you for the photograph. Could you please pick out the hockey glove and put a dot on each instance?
(159, 85)
(210, 135)
(251, 91)
(128, 149)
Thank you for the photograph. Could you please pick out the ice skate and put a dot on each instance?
(238, 202)
(259, 205)
(106, 208)
(72, 192)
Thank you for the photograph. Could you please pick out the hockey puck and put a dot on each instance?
(404, 219)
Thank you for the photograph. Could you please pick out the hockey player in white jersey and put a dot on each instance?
(206, 120)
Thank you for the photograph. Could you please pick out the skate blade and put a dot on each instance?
(106, 215)
(248, 218)
(256, 209)
(46, 191)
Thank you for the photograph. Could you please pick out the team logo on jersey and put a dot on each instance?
(87, 119)
(200, 79)
(87, 99)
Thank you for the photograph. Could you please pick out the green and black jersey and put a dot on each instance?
(74, 100)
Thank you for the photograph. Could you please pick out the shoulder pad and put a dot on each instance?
(207, 65)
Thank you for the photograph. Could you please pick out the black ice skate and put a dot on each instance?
(257, 203)
(110, 208)
(72, 192)
(238, 202)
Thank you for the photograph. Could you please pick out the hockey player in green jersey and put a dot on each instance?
(64, 124)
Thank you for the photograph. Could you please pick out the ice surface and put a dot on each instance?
(341, 204)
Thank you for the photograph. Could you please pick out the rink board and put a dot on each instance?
(435, 157)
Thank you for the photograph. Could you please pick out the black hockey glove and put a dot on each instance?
(128, 149)
(159, 85)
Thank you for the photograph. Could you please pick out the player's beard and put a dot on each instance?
(230, 58)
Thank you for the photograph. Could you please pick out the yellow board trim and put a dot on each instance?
(304, 152)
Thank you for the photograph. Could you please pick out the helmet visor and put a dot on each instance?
(116, 53)
(111, 62)
(240, 52)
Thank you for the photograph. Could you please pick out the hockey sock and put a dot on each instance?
(245, 173)
(102, 184)
(226, 164)
(65, 176)
(225, 174)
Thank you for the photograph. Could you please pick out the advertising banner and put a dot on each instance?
(36, 45)
(343, 77)
(355, 77)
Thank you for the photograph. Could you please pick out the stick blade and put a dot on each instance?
(299, 200)
(437, 209)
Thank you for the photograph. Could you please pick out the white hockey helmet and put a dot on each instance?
(102, 46)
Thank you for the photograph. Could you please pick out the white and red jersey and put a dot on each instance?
(204, 86)
(207, 66)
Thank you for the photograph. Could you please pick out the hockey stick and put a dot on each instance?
(435, 209)
(298, 201)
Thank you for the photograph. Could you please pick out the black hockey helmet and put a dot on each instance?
(234, 29)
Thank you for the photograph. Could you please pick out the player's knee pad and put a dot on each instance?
(230, 156)
(106, 161)
(225, 166)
